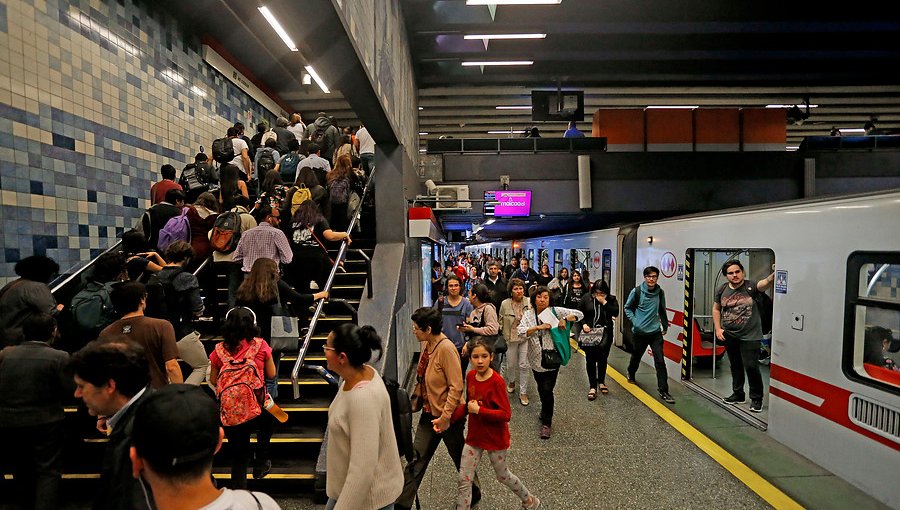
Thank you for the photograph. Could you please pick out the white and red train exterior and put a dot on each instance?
(817, 405)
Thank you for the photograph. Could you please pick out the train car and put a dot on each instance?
(832, 389)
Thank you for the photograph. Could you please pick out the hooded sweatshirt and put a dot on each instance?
(647, 313)
(332, 135)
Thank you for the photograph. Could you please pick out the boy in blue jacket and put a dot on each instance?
(646, 309)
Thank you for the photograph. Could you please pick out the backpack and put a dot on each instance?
(300, 194)
(288, 167)
(92, 308)
(226, 232)
(318, 137)
(223, 150)
(401, 412)
(339, 191)
(176, 229)
(765, 306)
(239, 388)
(265, 161)
(163, 302)
(195, 177)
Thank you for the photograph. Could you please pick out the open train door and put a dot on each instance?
(625, 278)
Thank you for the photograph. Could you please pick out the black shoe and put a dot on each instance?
(756, 406)
(666, 397)
(261, 469)
(735, 398)
(631, 379)
(476, 496)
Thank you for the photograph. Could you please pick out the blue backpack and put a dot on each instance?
(176, 229)
(288, 167)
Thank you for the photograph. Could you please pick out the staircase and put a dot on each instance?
(296, 444)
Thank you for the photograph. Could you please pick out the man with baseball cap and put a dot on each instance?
(176, 433)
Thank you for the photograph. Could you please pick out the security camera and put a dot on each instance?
(431, 187)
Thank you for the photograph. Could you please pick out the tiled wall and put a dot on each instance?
(95, 96)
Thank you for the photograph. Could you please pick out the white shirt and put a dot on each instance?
(299, 130)
(239, 145)
(242, 500)
(366, 143)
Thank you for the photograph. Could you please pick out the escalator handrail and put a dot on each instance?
(320, 304)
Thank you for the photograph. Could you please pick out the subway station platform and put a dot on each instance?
(629, 450)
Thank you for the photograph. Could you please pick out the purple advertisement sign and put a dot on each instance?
(508, 203)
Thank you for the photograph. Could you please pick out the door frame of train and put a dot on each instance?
(687, 330)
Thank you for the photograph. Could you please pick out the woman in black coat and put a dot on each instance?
(599, 309)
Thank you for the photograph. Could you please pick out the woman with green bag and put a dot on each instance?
(547, 329)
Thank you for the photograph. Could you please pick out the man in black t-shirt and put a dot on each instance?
(737, 323)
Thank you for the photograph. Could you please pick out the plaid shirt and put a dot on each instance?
(263, 241)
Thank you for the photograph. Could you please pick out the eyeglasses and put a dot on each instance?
(326, 348)
(651, 276)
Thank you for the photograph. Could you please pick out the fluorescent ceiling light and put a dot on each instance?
(672, 107)
(505, 36)
(499, 63)
(312, 72)
(500, 132)
(514, 107)
(513, 2)
(278, 28)
(423, 150)
(423, 133)
(421, 108)
(852, 130)
(792, 147)
(791, 106)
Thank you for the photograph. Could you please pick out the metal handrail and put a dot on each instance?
(56, 287)
(342, 251)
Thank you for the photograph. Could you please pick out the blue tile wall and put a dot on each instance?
(94, 98)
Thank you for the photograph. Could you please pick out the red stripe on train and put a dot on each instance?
(835, 404)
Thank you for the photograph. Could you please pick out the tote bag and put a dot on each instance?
(561, 340)
(285, 330)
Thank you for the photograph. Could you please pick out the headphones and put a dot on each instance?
(243, 308)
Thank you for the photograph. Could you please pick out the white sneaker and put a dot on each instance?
(313, 285)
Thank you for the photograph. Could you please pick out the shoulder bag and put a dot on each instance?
(560, 338)
(551, 359)
(595, 335)
(497, 342)
(285, 329)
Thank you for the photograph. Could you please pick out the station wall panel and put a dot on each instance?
(669, 130)
(717, 129)
(94, 98)
(623, 128)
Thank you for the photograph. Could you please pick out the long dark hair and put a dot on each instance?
(240, 324)
(272, 178)
(228, 185)
(307, 214)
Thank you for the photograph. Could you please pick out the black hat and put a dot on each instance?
(177, 424)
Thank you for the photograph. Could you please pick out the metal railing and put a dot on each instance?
(320, 304)
(58, 285)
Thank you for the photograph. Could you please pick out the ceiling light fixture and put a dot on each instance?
(790, 106)
(513, 2)
(852, 130)
(523, 107)
(278, 28)
(421, 108)
(315, 76)
(423, 133)
(672, 107)
(504, 36)
(499, 63)
(500, 132)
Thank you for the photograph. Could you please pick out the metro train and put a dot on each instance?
(832, 389)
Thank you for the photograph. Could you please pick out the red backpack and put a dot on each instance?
(240, 387)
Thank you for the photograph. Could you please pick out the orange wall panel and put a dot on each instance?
(717, 125)
(764, 126)
(673, 126)
(619, 126)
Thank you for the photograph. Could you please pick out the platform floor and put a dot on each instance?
(616, 452)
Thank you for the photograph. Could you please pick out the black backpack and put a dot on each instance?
(765, 306)
(223, 150)
(401, 411)
(195, 177)
(92, 309)
(318, 137)
(265, 161)
(163, 302)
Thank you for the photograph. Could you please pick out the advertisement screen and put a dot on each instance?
(507, 203)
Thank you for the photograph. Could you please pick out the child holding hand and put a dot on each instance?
(489, 413)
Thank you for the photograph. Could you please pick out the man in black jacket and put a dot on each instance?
(111, 378)
(158, 214)
(496, 284)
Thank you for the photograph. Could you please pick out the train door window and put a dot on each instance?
(543, 258)
(531, 258)
(711, 365)
(557, 261)
(872, 320)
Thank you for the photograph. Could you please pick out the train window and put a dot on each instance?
(557, 261)
(872, 329)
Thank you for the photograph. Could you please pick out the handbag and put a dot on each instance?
(285, 330)
(497, 342)
(551, 359)
(560, 338)
(592, 337)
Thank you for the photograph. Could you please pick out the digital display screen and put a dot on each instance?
(507, 203)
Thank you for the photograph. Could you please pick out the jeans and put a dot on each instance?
(655, 342)
(331, 502)
(272, 384)
(36, 455)
(470, 459)
(239, 442)
(424, 446)
(744, 356)
(517, 365)
(596, 357)
(367, 160)
(191, 350)
(546, 381)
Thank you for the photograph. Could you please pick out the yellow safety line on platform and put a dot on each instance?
(762, 487)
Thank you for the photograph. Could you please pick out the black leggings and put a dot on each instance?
(239, 442)
(596, 357)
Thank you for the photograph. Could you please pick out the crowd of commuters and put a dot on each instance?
(133, 326)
